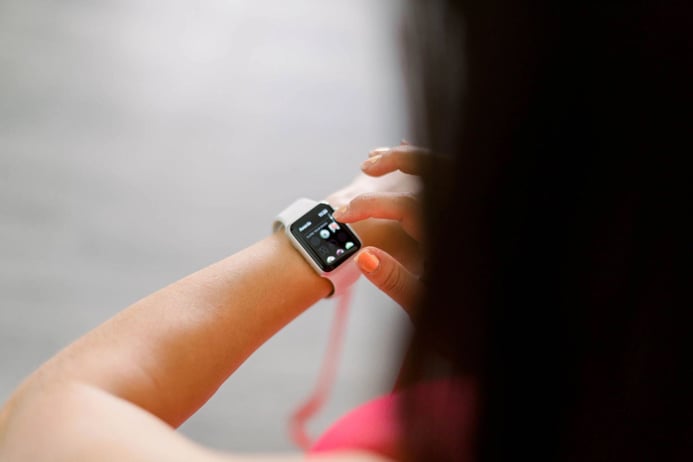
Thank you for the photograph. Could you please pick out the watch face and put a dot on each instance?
(328, 242)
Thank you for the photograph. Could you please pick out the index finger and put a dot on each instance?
(405, 158)
(401, 207)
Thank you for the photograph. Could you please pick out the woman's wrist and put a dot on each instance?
(295, 266)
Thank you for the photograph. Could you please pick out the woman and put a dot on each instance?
(554, 319)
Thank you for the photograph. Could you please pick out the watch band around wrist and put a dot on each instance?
(341, 277)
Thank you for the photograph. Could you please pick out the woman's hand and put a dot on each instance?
(401, 282)
(398, 179)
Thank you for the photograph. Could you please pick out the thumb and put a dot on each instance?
(388, 275)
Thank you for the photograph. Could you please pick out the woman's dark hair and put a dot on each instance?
(557, 208)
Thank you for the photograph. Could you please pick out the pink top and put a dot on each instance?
(445, 410)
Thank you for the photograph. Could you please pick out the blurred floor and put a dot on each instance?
(143, 139)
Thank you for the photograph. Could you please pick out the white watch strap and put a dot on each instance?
(293, 212)
(341, 277)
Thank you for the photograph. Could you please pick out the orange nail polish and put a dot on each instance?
(368, 262)
(378, 151)
(371, 161)
(340, 212)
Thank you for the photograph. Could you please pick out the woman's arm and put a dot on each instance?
(166, 354)
(72, 422)
(169, 352)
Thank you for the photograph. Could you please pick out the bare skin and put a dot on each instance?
(117, 392)
(393, 275)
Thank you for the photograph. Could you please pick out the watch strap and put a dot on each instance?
(293, 212)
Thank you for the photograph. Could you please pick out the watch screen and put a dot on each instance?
(328, 242)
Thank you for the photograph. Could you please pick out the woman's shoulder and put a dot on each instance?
(73, 421)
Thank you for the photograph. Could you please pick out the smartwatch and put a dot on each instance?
(327, 245)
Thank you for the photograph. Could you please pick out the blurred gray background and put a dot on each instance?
(143, 139)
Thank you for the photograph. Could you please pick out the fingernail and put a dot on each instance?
(340, 212)
(404, 142)
(371, 161)
(378, 151)
(368, 262)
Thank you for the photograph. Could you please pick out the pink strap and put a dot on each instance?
(328, 369)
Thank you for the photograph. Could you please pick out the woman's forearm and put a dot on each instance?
(169, 352)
